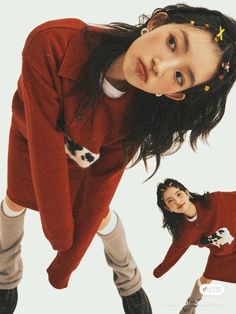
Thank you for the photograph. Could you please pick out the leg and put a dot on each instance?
(11, 233)
(195, 297)
(204, 281)
(126, 275)
(13, 206)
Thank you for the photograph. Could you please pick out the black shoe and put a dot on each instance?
(137, 303)
(8, 300)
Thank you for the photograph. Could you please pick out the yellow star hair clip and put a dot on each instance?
(206, 88)
(219, 36)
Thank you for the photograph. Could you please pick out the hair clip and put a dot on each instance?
(192, 22)
(219, 36)
(207, 25)
(206, 88)
(225, 66)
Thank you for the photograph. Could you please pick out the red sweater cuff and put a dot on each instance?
(157, 273)
(62, 243)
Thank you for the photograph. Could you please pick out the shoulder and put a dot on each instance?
(55, 33)
(185, 228)
(222, 196)
(188, 233)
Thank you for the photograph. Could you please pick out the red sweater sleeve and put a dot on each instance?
(174, 253)
(102, 180)
(101, 183)
(48, 160)
(177, 249)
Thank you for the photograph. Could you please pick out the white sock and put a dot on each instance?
(9, 212)
(111, 224)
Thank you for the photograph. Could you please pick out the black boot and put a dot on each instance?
(8, 300)
(137, 303)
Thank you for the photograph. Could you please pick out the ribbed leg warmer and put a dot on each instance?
(11, 234)
(192, 302)
(126, 276)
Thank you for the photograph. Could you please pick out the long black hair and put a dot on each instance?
(161, 124)
(172, 220)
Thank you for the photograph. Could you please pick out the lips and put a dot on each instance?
(181, 205)
(141, 71)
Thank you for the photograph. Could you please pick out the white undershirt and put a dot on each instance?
(194, 218)
(110, 90)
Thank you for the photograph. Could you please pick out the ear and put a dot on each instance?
(176, 96)
(157, 20)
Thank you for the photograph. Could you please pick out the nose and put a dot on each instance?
(159, 67)
(177, 200)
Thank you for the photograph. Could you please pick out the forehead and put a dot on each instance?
(202, 34)
(169, 192)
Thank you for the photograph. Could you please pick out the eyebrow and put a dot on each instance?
(191, 76)
(186, 40)
(171, 196)
(186, 49)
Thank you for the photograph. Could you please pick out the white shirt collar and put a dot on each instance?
(110, 91)
(194, 218)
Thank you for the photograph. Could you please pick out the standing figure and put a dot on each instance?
(207, 220)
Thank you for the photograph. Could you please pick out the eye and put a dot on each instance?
(172, 42)
(179, 78)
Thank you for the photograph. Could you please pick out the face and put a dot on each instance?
(176, 201)
(171, 58)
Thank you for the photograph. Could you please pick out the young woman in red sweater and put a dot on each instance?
(207, 220)
(88, 97)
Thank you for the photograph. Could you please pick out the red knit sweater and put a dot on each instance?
(50, 171)
(215, 228)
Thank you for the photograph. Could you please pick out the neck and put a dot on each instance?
(191, 211)
(115, 75)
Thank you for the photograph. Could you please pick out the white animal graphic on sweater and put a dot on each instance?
(218, 238)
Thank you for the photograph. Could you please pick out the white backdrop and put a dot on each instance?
(212, 168)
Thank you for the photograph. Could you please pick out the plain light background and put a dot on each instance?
(212, 168)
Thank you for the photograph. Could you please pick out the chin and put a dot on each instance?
(183, 210)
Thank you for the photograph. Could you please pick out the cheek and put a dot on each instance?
(129, 65)
(167, 206)
(171, 206)
(186, 197)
